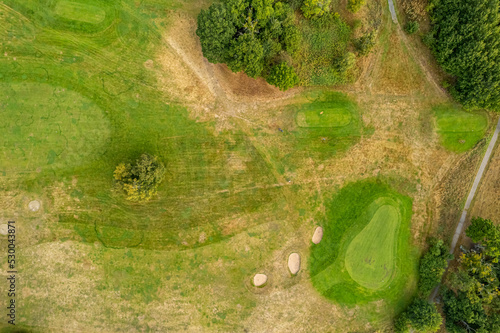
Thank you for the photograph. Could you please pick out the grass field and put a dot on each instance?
(459, 130)
(324, 117)
(365, 254)
(327, 124)
(48, 126)
(249, 178)
(79, 11)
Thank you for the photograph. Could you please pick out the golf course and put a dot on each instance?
(248, 172)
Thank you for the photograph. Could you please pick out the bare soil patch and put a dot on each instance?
(34, 205)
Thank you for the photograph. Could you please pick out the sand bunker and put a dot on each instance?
(294, 263)
(259, 280)
(318, 235)
(4, 229)
(34, 205)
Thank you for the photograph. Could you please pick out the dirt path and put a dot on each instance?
(472, 192)
(393, 12)
(477, 180)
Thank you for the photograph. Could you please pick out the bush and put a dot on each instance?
(421, 316)
(432, 267)
(140, 181)
(315, 8)
(283, 76)
(412, 27)
(354, 5)
(345, 63)
(365, 43)
(291, 38)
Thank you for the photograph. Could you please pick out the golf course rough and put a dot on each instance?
(365, 254)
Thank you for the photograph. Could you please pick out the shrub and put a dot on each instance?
(412, 27)
(421, 316)
(365, 43)
(140, 181)
(345, 63)
(354, 5)
(432, 267)
(315, 8)
(283, 76)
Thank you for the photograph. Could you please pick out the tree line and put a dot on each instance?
(465, 39)
(470, 292)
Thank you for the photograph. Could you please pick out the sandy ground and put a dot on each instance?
(259, 279)
(318, 235)
(34, 205)
(294, 263)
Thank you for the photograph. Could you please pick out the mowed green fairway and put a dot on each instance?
(46, 126)
(80, 11)
(370, 256)
(76, 100)
(365, 253)
(459, 130)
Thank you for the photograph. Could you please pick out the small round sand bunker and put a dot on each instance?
(318, 235)
(294, 263)
(4, 229)
(34, 205)
(259, 279)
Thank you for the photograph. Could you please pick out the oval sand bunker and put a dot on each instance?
(318, 235)
(34, 205)
(259, 280)
(294, 263)
(4, 229)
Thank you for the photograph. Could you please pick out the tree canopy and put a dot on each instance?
(472, 301)
(466, 42)
(421, 316)
(283, 76)
(140, 180)
(432, 267)
(247, 35)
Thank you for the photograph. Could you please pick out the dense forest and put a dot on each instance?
(466, 42)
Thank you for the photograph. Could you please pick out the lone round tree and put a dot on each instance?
(140, 181)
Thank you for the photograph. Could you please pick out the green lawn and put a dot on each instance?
(48, 126)
(370, 256)
(459, 130)
(365, 253)
(336, 130)
(79, 11)
(324, 118)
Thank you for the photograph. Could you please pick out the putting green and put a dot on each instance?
(365, 252)
(47, 126)
(370, 256)
(323, 118)
(459, 130)
(78, 11)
